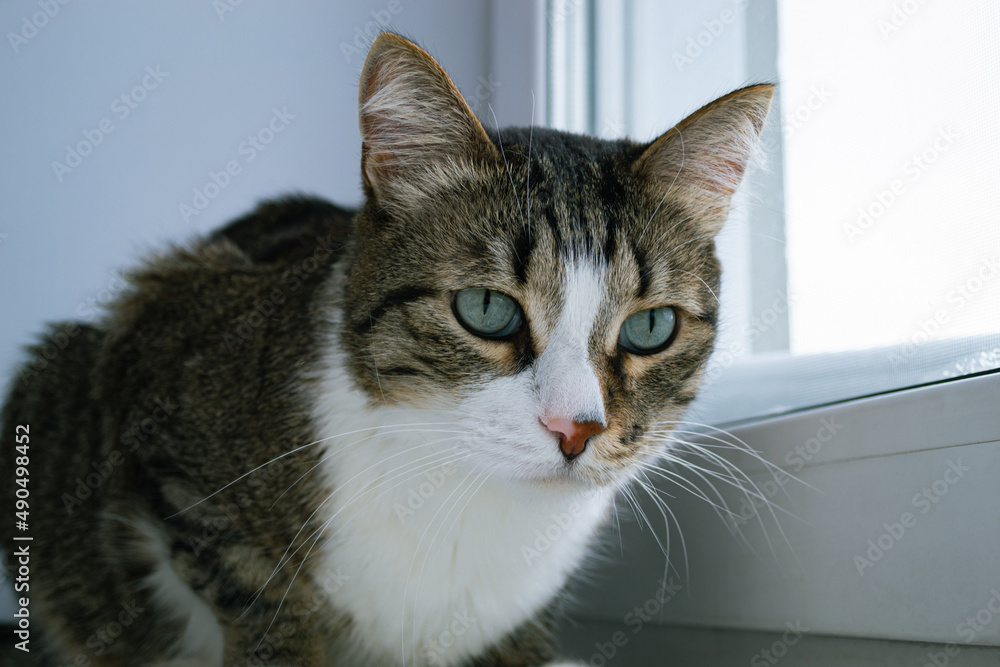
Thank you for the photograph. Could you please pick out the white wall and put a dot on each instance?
(62, 241)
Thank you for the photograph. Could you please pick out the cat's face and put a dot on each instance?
(555, 293)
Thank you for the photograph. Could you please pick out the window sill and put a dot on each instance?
(844, 564)
(777, 383)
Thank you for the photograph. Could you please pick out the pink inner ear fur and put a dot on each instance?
(708, 152)
(416, 128)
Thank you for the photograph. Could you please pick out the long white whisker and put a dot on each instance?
(731, 468)
(693, 275)
(413, 561)
(741, 445)
(753, 491)
(282, 601)
(527, 186)
(355, 443)
(618, 525)
(430, 545)
(664, 509)
(371, 327)
(750, 489)
(439, 459)
(288, 453)
(509, 174)
(686, 484)
(630, 500)
(669, 188)
(719, 510)
(356, 475)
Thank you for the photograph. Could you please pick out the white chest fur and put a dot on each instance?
(438, 557)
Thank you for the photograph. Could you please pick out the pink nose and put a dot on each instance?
(573, 435)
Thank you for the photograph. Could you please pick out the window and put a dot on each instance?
(861, 329)
(865, 257)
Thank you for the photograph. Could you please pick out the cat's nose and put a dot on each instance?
(573, 435)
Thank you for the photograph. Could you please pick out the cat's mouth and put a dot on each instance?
(590, 456)
(583, 473)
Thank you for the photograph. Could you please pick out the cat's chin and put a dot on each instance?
(560, 483)
(565, 482)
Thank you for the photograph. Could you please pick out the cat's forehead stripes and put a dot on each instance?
(659, 272)
(584, 201)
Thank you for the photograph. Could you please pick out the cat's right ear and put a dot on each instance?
(418, 134)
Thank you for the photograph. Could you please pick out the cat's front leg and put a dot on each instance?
(274, 637)
(244, 651)
(531, 645)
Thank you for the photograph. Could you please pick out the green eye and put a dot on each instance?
(487, 313)
(648, 331)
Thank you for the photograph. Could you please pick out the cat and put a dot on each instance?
(320, 436)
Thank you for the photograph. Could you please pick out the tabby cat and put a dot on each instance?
(327, 437)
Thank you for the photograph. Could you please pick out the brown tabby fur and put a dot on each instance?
(202, 370)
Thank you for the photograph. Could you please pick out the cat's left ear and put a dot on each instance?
(418, 134)
(702, 160)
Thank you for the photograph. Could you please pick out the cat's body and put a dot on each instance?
(292, 444)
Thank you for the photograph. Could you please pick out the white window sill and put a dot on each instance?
(884, 455)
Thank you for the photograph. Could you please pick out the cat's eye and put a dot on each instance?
(648, 331)
(487, 313)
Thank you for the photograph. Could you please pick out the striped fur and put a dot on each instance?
(258, 410)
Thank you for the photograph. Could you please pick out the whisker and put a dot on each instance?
(686, 484)
(527, 186)
(317, 534)
(701, 450)
(618, 525)
(631, 506)
(280, 603)
(664, 509)
(439, 459)
(406, 476)
(753, 491)
(371, 326)
(669, 188)
(734, 476)
(413, 561)
(740, 445)
(710, 290)
(355, 443)
(733, 527)
(665, 549)
(286, 556)
(288, 453)
(750, 488)
(730, 467)
(507, 164)
(430, 546)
